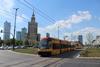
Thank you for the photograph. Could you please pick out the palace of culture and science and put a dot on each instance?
(33, 35)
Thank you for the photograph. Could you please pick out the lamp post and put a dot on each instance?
(15, 28)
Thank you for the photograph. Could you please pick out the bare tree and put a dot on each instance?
(90, 38)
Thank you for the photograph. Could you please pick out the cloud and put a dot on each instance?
(90, 29)
(6, 4)
(85, 31)
(22, 17)
(6, 8)
(7, 11)
(67, 23)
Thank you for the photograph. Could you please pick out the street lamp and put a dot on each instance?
(15, 28)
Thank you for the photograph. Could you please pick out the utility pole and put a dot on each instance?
(59, 40)
(58, 31)
(15, 28)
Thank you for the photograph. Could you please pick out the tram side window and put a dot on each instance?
(63, 46)
(56, 46)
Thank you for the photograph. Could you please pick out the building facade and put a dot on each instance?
(23, 34)
(18, 35)
(96, 42)
(80, 39)
(7, 27)
(33, 35)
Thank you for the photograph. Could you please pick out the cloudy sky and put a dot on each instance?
(73, 17)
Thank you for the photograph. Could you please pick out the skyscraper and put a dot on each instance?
(7, 27)
(18, 35)
(23, 34)
(32, 30)
(80, 38)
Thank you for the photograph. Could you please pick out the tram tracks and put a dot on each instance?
(40, 62)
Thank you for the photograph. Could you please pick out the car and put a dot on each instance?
(16, 47)
(23, 46)
(2, 48)
(10, 47)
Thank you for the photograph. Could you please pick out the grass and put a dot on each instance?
(27, 50)
(90, 52)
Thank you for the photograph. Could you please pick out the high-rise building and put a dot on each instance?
(18, 35)
(80, 38)
(32, 30)
(97, 37)
(23, 33)
(7, 27)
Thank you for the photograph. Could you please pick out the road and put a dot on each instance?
(12, 59)
(77, 63)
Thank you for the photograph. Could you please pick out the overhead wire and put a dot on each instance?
(32, 8)
(40, 12)
(9, 14)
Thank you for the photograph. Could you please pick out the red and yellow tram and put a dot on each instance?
(50, 46)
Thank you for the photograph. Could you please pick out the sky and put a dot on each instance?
(73, 17)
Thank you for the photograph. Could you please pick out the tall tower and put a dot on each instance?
(32, 30)
(7, 27)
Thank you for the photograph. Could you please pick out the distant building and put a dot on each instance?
(97, 37)
(33, 35)
(23, 33)
(7, 27)
(38, 37)
(47, 35)
(18, 35)
(96, 42)
(80, 38)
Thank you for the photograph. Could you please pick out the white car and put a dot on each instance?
(10, 47)
(2, 48)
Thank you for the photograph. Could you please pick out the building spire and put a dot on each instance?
(33, 18)
(33, 13)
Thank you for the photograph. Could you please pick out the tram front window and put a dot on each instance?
(44, 44)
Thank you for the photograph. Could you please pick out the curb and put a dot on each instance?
(88, 58)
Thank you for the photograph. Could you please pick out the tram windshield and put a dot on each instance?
(44, 44)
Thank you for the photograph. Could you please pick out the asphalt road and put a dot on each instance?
(77, 63)
(71, 60)
(12, 59)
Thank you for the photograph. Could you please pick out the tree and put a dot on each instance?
(1, 42)
(7, 42)
(26, 42)
(90, 38)
(19, 42)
